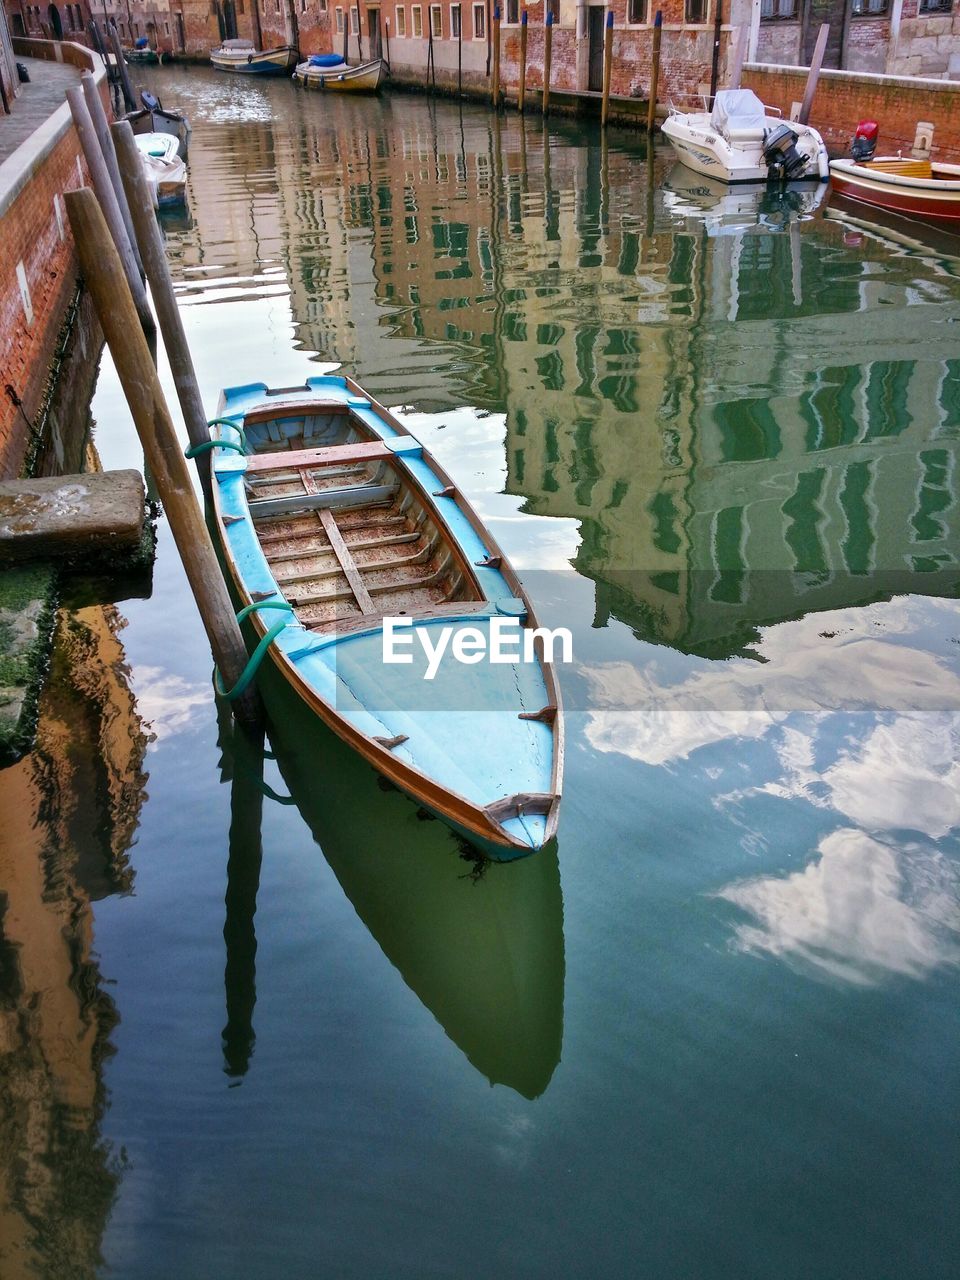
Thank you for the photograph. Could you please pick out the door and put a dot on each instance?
(595, 66)
(373, 27)
(181, 35)
(818, 12)
(230, 20)
(53, 13)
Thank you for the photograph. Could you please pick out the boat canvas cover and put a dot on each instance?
(739, 109)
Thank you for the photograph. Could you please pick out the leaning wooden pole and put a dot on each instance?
(495, 79)
(102, 185)
(99, 117)
(607, 68)
(105, 278)
(117, 47)
(547, 61)
(161, 287)
(813, 75)
(522, 90)
(654, 72)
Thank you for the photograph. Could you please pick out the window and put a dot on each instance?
(869, 8)
(401, 21)
(636, 13)
(354, 20)
(553, 8)
(417, 19)
(479, 22)
(166, 28)
(695, 12)
(339, 20)
(323, 6)
(276, 6)
(512, 15)
(436, 22)
(303, 6)
(786, 10)
(936, 6)
(455, 21)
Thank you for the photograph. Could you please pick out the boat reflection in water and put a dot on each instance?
(480, 943)
(725, 210)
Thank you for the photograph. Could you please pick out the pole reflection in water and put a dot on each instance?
(242, 765)
(480, 944)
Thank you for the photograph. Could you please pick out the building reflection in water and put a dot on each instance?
(70, 811)
(750, 418)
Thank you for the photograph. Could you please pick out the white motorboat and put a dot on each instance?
(165, 170)
(740, 141)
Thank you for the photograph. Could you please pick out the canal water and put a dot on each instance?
(288, 1029)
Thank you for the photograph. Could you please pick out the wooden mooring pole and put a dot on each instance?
(522, 90)
(654, 72)
(114, 36)
(547, 61)
(813, 75)
(148, 234)
(495, 79)
(94, 103)
(607, 68)
(100, 177)
(105, 278)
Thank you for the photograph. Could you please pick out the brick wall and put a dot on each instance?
(38, 254)
(843, 98)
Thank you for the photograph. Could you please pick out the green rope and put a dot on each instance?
(196, 449)
(253, 664)
(225, 422)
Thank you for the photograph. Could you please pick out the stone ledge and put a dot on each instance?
(71, 518)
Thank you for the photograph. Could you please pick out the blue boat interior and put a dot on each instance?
(334, 510)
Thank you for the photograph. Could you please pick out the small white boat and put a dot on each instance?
(739, 141)
(329, 71)
(165, 170)
(244, 57)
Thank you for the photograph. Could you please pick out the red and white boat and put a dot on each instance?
(921, 188)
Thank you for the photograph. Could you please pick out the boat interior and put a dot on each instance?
(348, 538)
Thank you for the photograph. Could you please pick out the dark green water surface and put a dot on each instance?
(715, 1033)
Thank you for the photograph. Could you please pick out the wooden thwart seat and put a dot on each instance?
(371, 451)
(904, 168)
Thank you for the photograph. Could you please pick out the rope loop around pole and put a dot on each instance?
(253, 664)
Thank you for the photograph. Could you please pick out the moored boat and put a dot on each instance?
(329, 71)
(740, 141)
(164, 167)
(243, 57)
(920, 188)
(152, 118)
(334, 518)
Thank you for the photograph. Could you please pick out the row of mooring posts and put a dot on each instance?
(120, 248)
(495, 87)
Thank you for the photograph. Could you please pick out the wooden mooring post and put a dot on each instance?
(94, 103)
(607, 68)
(813, 75)
(522, 90)
(495, 79)
(654, 72)
(547, 61)
(105, 278)
(114, 37)
(147, 229)
(105, 193)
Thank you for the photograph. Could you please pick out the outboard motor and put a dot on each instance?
(149, 101)
(784, 161)
(865, 140)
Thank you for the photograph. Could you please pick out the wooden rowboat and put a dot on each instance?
(243, 57)
(916, 187)
(340, 78)
(335, 509)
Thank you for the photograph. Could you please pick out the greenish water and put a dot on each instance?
(715, 1032)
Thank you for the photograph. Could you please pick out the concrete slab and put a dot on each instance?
(71, 518)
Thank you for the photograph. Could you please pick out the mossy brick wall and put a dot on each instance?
(843, 98)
